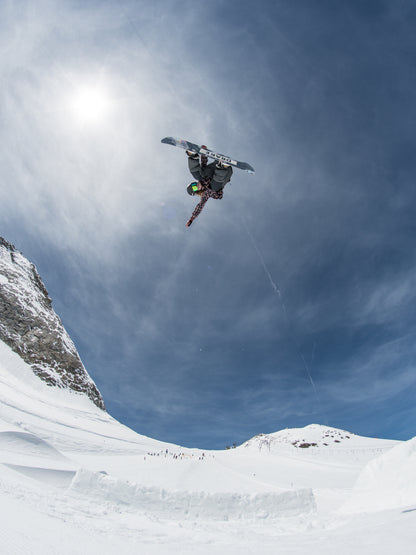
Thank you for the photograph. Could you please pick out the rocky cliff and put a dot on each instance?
(29, 325)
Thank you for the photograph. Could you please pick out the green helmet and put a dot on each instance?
(192, 188)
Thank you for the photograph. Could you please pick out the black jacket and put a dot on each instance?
(218, 176)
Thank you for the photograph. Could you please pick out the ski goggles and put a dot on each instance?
(195, 187)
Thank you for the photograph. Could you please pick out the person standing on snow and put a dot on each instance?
(210, 180)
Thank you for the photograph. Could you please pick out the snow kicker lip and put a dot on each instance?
(28, 444)
(60, 478)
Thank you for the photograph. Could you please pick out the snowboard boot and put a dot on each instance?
(191, 154)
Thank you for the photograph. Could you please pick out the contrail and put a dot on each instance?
(263, 263)
(318, 399)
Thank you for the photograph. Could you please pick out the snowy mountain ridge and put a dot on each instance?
(319, 441)
(313, 435)
(32, 329)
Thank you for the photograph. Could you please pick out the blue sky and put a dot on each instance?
(289, 302)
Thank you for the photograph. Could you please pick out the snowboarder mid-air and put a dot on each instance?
(210, 180)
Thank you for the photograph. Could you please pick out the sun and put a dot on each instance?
(90, 104)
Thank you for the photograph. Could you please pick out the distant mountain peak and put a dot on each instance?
(33, 330)
(313, 435)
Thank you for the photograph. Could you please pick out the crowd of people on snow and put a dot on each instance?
(165, 453)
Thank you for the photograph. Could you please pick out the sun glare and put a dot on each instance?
(90, 104)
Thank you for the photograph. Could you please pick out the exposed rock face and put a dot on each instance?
(29, 325)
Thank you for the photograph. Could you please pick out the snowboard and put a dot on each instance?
(203, 151)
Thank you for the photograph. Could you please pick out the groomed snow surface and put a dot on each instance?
(75, 481)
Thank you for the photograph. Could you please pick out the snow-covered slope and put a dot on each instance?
(66, 426)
